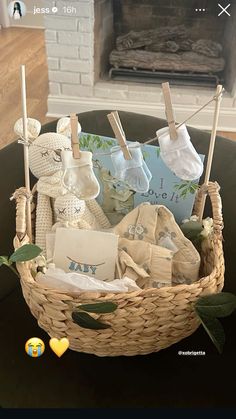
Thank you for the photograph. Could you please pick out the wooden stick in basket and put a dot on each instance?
(169, 111)
(74, 136)
(26, 153)
(218, 98)
(115, 122)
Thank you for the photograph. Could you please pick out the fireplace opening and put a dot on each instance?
(155, 40)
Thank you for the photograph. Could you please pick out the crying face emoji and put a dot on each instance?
(34, 347)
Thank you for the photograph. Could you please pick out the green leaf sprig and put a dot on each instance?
(23, 254)
(83, 319)
(192, 230)
(93, 143)
(209, 308)
(186, 187)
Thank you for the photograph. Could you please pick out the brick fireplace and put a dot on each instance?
(78, 49)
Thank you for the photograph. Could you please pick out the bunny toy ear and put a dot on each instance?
(33, 127)
(64, 128)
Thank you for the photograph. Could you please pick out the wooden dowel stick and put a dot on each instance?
(211, 146)
(74, 136)
(169, 111)
(119, 135)
(26, 153)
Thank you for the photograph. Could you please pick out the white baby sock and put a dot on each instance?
(147, 171)
(180, 155)
(135, 171)
(78, 176)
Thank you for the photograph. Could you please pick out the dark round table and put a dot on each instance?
(164, 379)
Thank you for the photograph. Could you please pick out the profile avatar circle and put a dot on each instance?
(17, 9)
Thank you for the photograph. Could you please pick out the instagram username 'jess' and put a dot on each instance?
(69, 10)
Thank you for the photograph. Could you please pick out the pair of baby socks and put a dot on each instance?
(134, 172)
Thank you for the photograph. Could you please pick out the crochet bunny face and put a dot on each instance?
(44, 151)
(69, 208)
(46, 160)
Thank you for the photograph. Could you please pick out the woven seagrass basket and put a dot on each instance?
(145, 321)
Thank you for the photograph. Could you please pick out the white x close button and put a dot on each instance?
(224, 9)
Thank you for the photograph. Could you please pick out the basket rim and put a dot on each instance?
(26, 274)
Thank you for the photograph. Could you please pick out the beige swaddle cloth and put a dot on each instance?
(151, 223)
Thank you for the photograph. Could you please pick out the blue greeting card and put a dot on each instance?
(117, 199)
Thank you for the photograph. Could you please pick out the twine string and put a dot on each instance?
(21, 192)
(215, 97)
(149, 141)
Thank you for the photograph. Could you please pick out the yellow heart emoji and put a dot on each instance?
(59, 346)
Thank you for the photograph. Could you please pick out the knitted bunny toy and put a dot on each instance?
(46, 165)
(71, 212)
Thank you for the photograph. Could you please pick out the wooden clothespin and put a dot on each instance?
(169, 111)
(74, 136)
(115, 122)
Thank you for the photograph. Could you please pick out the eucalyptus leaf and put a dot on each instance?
(26, 252)
(88, 322)
(181, 186)
(216, 305)
(105, 307)
(4, 261)
(191, 229)
(214, 329)
(194, 187)
(184, 194)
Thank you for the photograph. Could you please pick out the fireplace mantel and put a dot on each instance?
(77, 48)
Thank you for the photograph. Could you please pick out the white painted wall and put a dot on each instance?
(4, 18)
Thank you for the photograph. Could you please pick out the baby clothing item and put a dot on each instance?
(135, 171)
(46, 165)
(155, 263)
(53, 199)
(78, 176)
(150, 223)
(180, 155)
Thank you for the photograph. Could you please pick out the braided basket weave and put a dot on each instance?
(145, 321)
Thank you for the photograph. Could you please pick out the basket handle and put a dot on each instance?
(21, 197)
(212, 189)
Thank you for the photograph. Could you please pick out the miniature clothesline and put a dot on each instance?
(215, 97)
(58, 151)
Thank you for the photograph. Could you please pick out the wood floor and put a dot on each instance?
(21, 46)
(25, 46)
